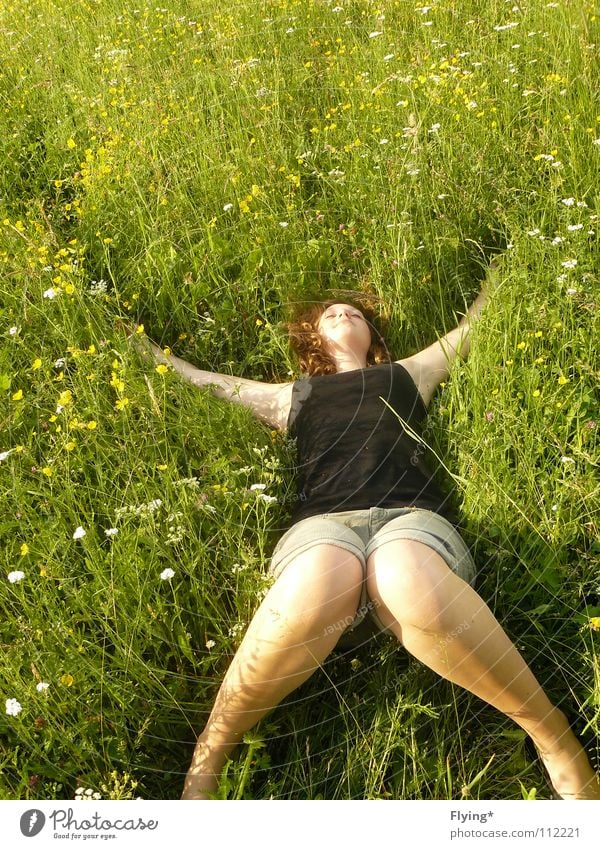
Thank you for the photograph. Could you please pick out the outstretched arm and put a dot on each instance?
(269, 401)
(432, 365)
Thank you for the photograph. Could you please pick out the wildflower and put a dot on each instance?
(18, 395)
(65, 398)
(573, 227)
(571, 291)
(13, 331)
(569, 263)
(568, 201)
(210, 644)
(79, 533)
(567, 460)
(66, 680)
(167, 574)
(24, 549)
(5, 454)
(161, 369)
(489, 416)
(13, 707)
(562, 380)
(227, 207)
(268, 498)
(50, 293)
(374, 34)
(257, 486)
(41, 686)
(506, 26)
(110, 532)
(15, 577)
(595, 622)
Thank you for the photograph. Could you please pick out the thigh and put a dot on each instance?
(433, 530)
(316, 530)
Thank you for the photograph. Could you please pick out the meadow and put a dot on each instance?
(194, 169)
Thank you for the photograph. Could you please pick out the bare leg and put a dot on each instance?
(443, 622)
(294, 629)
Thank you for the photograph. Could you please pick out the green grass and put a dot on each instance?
(212, 168)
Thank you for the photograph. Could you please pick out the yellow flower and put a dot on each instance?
(70, 144)
(522, 345)
(595, 622)
(139, 329)
(69, 288)
(121, 403)
(70, 446)
(161, 369)
(24, 549)
(18, 395)
(47, 471)
(161, 467)
(66, 679)
(91, 349)
(536, 393)
(92, 425)
(167, 351)
(65, 398)
(36, 364)
(562, 380)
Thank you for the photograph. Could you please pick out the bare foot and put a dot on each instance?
(571, 774)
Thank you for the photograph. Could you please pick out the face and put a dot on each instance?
(345, 328)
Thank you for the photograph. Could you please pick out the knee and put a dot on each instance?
(328, 579)
(415, 585)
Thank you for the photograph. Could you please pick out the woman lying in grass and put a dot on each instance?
(372, 544)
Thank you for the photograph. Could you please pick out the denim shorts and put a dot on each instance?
(362, 531)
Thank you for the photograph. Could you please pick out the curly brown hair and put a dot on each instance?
(308, 344)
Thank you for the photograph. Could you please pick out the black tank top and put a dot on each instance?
(353, 452)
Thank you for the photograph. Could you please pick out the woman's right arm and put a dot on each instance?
(269, 401)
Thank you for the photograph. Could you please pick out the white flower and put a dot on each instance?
(568, 201)
(110, 532)
(41, 686)
(257, 486)
(567, 460)
(13, 707)
(50, 293)
(557, 240)
(59, 363)
(535, 232)
(374, 34)
(506, 26)
(15, 577)
(596, 141)
(268, 498)
(573, 227)
(569, 263)
(79, 533)
(13, 331)
(284, 224)
(167, 574)
(5, 454)
(571, 291)
(227, 206)
(210, 644)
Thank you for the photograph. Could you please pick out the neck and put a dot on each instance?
(349, 362)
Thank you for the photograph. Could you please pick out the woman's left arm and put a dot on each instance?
(432, 365)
